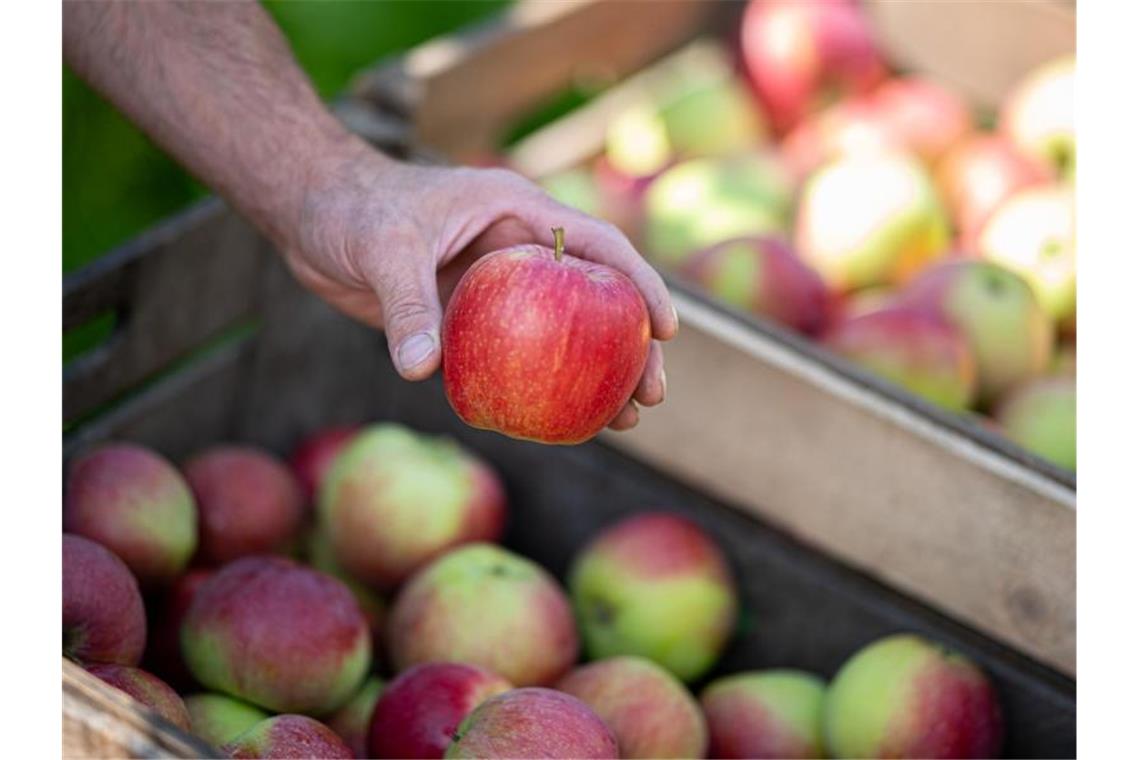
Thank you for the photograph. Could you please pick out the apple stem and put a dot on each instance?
(559, 242)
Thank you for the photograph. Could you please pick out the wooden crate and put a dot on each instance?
(287, 364)
(929, 502)
(268, 362)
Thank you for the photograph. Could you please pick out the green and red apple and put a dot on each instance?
(352, 721)
(146, 689)
(219, 719)
(765, 714)
(1042, 417)
(288, 736)
(1039, 116)
(103, 615)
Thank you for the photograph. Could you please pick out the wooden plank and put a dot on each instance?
(463, 91)
(101, 721)
(861, 476)
(981, 47)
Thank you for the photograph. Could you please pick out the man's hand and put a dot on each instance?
(216, 86)
(386, 242)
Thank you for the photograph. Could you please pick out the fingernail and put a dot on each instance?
(415, 350)
(662, 381)
(676, 319)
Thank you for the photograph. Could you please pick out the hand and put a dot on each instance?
(386, 242)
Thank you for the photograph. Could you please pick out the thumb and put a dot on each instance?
(409, 301)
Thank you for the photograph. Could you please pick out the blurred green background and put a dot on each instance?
(116, 183)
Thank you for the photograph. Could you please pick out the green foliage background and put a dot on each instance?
(116, 183)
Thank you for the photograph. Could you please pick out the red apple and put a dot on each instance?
(533, 722)
(925, 117)
(764, 276)
(543, 346)
(313, 457)
(147, 689)
(798, 52)
(352, 720)
(103, 615)
(980, 173)
(418, 713)
(288, 736)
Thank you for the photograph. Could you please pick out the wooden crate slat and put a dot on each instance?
(868, 480)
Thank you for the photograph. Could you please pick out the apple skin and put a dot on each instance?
(163, 654)
(319, 556)
(417, 715)
(912, 348)
(977, 175)
(796, 53)
(924, 116)
(904, 696)
(533, 722)
(134, 502)
(464, 605)
(1039, 115)
(313, 457)
(248, 503)
(351, 722)
(543, 348)
(576, 188)
(765, 714)
(394, 500)
(1033, 233)
(996, 312)
(650, 712)
(656, 586)
(147, 689)
(277, 634)
(701, 202)
(103, 615)
(870, 219)
(1042, 417)
(219, 719)
(288, 736)
(763, 276)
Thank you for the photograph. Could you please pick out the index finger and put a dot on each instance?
(593, 239)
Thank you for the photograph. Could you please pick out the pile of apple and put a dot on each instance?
(808, 184)
(354, 603)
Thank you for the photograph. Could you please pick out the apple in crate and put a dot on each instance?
(1008, 332)
(220, 719)
(288, 736)
(533, 722)
(314, 456)
(1042, 417)
(914, 348)
(543, 346)
(164, 640)
(924, 117)
(145, 688)
(468, 604)
(870, 219)
(103, 615)
(277, 634)
(134, 502)
(656, 586)
(319, 556)
(1033, 233)
(977, 175)
(764, 276)
(701, 202)
(1039, 116)
(351, 722)
(650, 712)
(248, 503)
(905, 696)
(576, 188)
(417, 715)
(765, 714)
(394, 500)
(798, 53)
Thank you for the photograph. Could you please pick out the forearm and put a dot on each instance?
(216, 86)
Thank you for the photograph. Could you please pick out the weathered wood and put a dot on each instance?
(462, 92)
(981, 47)
(101, 721)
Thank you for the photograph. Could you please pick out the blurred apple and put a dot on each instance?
(913, 348)
(996, 312)
(1033, 234)
(798, 53)
(764, 276)
(704, 201)
(696, 108)
(1038, 117)
(980, 173)
(576, 188)
(1042, 416)
(870, 220)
